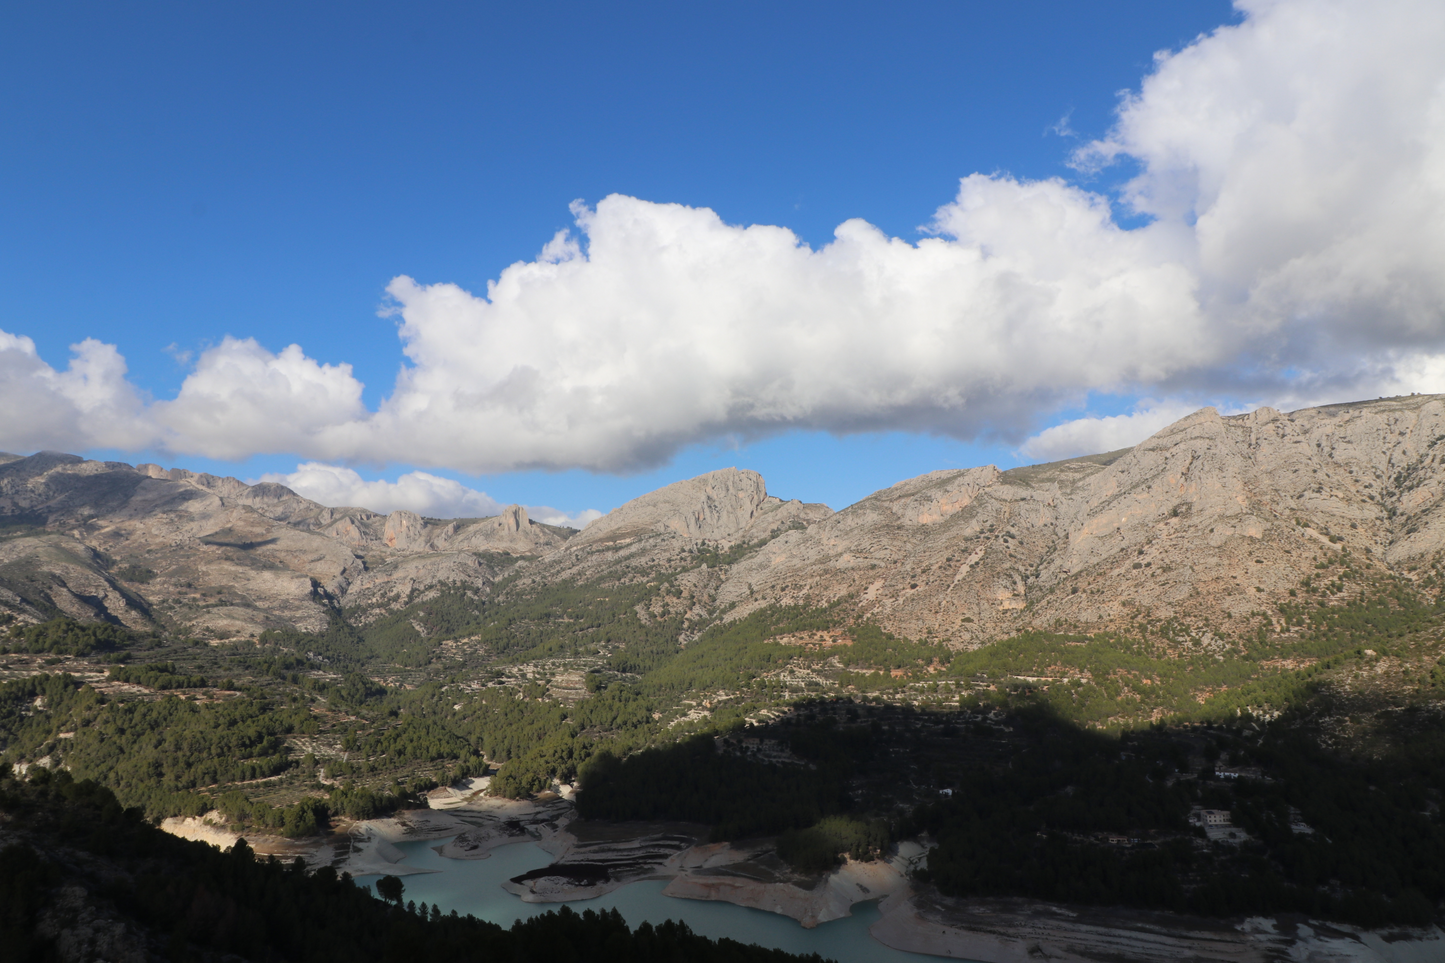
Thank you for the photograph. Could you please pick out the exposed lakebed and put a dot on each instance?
(475, 886)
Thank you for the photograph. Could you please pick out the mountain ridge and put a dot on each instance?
(1209, 522)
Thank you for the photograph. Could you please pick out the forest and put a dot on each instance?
(1372, 854)
(692, 782)
(1039, 808)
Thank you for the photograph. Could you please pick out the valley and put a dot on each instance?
(1042, 675)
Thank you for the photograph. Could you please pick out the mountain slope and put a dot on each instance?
(1208, 521)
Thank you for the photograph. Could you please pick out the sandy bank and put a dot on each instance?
(210, 828)
(472, 824)
(593, 859)
(596, 858)
(202, 829)
(829, 898)
(472, 829)
(371, 854)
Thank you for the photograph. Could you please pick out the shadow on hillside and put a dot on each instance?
(1026, 803)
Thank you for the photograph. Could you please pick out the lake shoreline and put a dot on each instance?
(590, 860)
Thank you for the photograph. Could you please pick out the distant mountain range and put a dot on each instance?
(1210, 522)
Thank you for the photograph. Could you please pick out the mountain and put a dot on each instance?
(1210, 520)
(214, 557)
(725, 507)
(1205, 525)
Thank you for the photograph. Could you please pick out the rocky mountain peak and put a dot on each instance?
(722, 506)
(404, 530)
(514, 519)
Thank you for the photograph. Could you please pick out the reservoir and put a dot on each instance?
(474, 886)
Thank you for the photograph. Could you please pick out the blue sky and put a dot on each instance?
(178, 174)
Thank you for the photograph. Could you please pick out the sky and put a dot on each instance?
(446, 256)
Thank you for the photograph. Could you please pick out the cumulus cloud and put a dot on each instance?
(241, 399)
(416, 491)
(1289, 173)
(89, 404)
(675, 327)
(1304, 151)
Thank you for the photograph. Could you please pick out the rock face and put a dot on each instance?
(407, 532)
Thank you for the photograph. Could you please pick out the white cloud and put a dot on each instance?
(89, 404)
(242, 399)
(416, 491)
(1307, 145)
(1291, 168)
(1294, 169)
(1098, 434)
(676, 326)
(553, 516)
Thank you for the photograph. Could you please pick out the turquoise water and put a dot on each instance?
(474, 886)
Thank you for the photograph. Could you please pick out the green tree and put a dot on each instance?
(390, 888)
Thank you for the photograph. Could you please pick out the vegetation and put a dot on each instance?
(65, 636)
(692, 782)
(160, 676)
(1041, 829)
(150, 753)
(821, 846)
(1027, 732)
(1040, 808)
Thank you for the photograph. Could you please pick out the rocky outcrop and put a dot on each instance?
(405, 531)
(395, 581)
(511, 532)
(203, 829)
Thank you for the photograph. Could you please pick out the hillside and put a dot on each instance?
(1210, 520)
(1207, 522)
